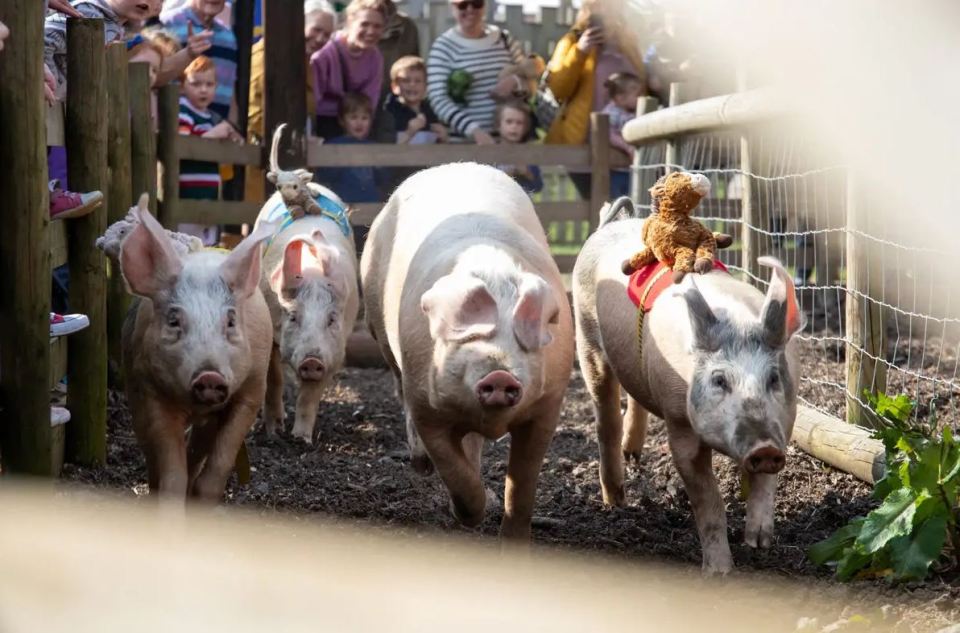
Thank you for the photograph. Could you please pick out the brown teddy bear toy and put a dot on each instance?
(670, 235)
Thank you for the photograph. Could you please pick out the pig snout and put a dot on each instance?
(209, 387)
(311, 368)
(499, 389)
(765, 459)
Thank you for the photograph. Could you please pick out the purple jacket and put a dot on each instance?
(363, 74)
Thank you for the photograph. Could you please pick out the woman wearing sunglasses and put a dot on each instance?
(462, 69)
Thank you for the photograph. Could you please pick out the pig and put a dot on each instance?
(310, 283)
(470, 312)
(195, 350)
(718, 364)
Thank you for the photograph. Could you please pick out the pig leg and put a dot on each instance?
(693, 461)
(528, 445)
(160, 433)
(419, 458)
(605, 393)
(273, 413)
(308, 401)
(759, 528)
(636, 430)
(202, 435)
(238, 419)
(468, 497)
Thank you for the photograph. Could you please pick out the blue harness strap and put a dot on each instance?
(329, 208)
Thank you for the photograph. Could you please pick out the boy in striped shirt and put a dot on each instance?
(201, 179)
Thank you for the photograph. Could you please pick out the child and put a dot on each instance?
(148, 47)
(201, 179)
(512, 120)
(623, 90)
(414, 120)
(353, 184)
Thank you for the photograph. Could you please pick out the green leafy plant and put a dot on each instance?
(915, 524)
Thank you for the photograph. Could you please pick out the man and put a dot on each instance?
(320, 21)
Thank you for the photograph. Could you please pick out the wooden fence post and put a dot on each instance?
(86, 136)
(679, 93)
(642, 179)
(168, 115)
(285, 87)
(143, 136)
(600, 165)
(119, 195)
(25, 434)
(866, 330)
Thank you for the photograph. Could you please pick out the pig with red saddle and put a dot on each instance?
(195, 353)
(715, 358)
(470, 312)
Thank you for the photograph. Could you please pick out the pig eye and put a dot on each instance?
(173, 318)
(773, 382)
(719, 381)
(332, 320)
(292, 316)
(231, 318)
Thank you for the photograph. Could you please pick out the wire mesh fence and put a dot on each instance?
(905, 336)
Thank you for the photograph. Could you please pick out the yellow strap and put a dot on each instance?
(641, 313)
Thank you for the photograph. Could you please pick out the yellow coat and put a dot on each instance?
(571, 81)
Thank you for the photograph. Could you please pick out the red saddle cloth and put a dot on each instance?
(648, 282)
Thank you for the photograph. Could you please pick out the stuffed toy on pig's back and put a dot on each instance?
(670, 235)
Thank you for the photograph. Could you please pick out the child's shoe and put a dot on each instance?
(63, 324)
(68, 204)
(58, 416)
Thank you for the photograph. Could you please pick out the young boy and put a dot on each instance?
(201, 179)
(512, 120)
(414, 120)
(353, 184)
(623, 90)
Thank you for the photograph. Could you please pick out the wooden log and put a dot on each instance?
(143, 136)
(738, 109)
(285, 85)
(86, 127)
(844, 446)
(599, 166)
(119, 194)
(168, 137)
(866, 332)
(24, 258)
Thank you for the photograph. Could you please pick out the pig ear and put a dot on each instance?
(148, 260)
(536, 307)
(301, 254)
(241, 268)
(459, 307)
(703, 321)
(780, 315)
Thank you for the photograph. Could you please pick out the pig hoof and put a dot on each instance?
(758, 537)
(614, 496)
(720, 568)
(421, 464)
(306, 436)
(465, 517)
(631, 455)
(703, 265)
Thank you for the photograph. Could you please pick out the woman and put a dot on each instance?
(593, 50)
(463, 67)
(349, 62)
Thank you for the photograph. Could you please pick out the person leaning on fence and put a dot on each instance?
(349, 63)
(513, 122)
(599, 45)
(463, 67)
(623, 90)
(319, 22)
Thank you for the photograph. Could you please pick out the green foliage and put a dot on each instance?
(917, 515)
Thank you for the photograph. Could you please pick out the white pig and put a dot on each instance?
(469, 310)
(310, 283)
(195, 354)
(718, 364)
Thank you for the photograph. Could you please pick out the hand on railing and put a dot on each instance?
(480, 137)
(224, 130)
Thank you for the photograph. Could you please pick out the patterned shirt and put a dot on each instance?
(618, 116)
(55, 36)
(223, 52)
(482, 59)
(198, 179)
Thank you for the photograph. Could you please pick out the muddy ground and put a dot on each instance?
(358, 470)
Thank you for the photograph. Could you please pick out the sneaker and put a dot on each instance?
(63, 324)
(67, 204)
(58, 416)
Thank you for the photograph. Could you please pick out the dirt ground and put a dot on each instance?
(358, 470)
